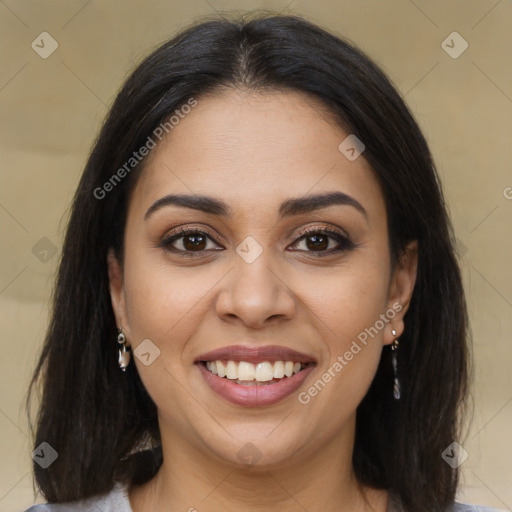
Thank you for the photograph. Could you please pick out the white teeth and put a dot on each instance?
(264, 372)
(246, 371)
(260, 372)
(288, 368)
(220, 369)
(278, 370)
(231, 370)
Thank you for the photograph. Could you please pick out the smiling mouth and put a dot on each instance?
(254, 374)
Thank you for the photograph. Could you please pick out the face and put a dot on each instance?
(298, 276)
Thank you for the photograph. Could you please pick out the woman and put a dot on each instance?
(258, 305)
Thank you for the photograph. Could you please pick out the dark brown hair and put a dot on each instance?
(95, 416)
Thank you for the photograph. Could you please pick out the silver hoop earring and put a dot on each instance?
(396, 385)
(123, 359)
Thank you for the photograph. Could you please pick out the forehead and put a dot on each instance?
(252, 149)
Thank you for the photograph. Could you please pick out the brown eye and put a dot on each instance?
(188, 242)
(193, 242)
(319, 241)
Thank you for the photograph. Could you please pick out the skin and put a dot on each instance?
(254, 151)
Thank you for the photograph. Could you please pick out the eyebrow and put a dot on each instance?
(288, 208)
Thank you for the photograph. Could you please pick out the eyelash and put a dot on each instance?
(343, 241)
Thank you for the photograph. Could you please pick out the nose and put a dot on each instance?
(255, 294)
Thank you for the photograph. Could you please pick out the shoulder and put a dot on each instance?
(115, 501)
(466, 507)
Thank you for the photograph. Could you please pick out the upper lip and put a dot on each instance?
(257, 354)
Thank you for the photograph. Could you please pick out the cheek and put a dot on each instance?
(164, 304)
(352, 319)
(350, 299)
(164, 301)
(351, 330)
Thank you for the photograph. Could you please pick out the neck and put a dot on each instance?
(321, 480)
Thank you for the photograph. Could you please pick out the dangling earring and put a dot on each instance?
(123, 359)
(396, 385)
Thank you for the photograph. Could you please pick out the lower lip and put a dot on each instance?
(254, 396)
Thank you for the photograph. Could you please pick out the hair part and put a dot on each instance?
(96, 417)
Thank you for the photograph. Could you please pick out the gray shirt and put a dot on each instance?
(117, 501)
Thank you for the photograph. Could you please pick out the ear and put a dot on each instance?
(116, 286)
(400, 290)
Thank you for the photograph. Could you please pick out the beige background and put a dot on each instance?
(51, 109)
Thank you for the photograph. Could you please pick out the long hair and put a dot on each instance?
(97, 418)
